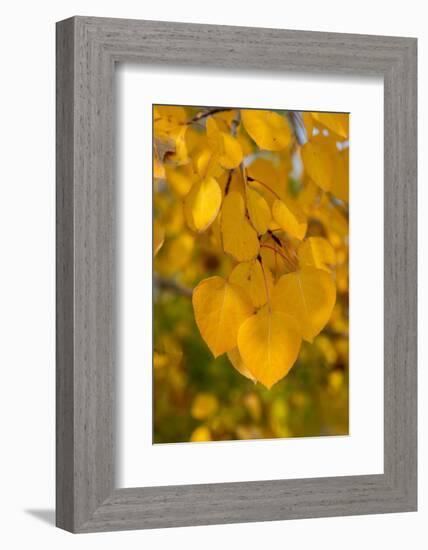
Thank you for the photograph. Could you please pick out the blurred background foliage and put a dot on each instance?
(199, 398)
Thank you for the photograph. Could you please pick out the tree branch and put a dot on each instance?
(296, 122)
(164, 283)
(200, 116)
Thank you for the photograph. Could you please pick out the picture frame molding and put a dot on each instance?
(87, 51)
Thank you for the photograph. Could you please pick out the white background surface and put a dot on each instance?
(27, 275)
(362, 451)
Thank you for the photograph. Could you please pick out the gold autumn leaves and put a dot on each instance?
(281, 288)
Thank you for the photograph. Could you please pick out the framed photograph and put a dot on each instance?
(236, 274)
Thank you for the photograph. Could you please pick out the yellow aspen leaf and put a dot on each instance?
(220, 124)
(340, 179)
(335, 221)
(264, 176)
(290, 220)
(175, 254)
(318, 163)
(232, 180)
(226, 147)
(269, 345)
(274, 260)
(169, 121)
(308, 123)
(259, 211)
(308, 296)
(246, 143)
(220, 309)
(158, 236)
(170, 128)
(204, 406)
(206, 163)
(180, 178)
(202, 204)
(308, 197)
(285, 167)
(338, 123)
(195, 140)
(230, 152)
(239, 238)
(249, 275)
(203, 158)
(214, 129)
(237, 362)
(225, 117)
(200, 434)
(317, 252)
(263, 169)
(268, 129)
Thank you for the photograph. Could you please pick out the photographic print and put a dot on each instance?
(250, 273)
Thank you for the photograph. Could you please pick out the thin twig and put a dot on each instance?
(229, 179)
(250, 179)
(173, 286)
(296, 122)
(235, 123)
(200, 116)
(287, 260)
(290, 252)
(265, 282)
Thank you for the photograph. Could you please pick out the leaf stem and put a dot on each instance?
(245, 179)
(287, 260)
(264, 245)
(266, 284)
(229, 180)
(290, 251)
(250, 179)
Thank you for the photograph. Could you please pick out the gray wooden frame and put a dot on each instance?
(87, 50)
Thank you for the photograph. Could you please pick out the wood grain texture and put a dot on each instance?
(87, 50)
(64, 276)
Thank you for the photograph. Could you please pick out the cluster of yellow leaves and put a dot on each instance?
(230, 168)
